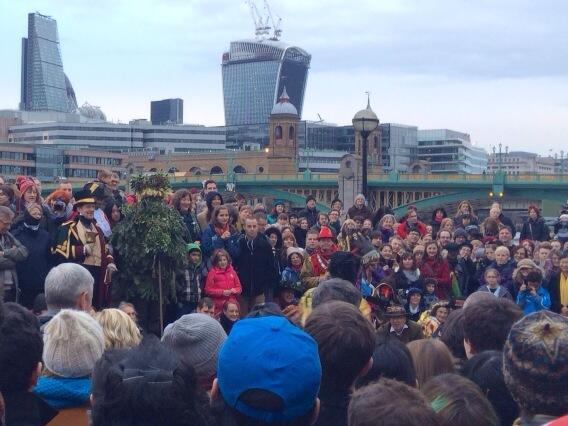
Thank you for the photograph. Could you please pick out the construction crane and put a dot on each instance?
(275, 24)
(261, 27)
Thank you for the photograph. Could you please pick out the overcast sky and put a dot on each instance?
(497, 69)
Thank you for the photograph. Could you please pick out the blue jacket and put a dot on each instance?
(210, 242)
(530, 303)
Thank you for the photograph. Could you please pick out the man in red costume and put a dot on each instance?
(82, 241)
(315, 266)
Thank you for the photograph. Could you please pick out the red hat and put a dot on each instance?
(24, 183)
(325, 232)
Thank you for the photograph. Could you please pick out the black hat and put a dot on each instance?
(96, 189)
(83, 196)
(466, 244)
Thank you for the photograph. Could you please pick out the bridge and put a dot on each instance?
(399, 190)
(396, 190)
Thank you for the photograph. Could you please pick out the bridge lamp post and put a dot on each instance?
(365, 122)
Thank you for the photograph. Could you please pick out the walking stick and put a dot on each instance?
(161, 297)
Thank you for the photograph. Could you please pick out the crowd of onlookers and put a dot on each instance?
(345, 317)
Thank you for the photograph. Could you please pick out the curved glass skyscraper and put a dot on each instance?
(45, 87)
(255, 73)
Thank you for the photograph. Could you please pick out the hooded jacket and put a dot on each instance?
(219, 280)
(189, 284)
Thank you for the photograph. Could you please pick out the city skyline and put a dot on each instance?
(493, 70)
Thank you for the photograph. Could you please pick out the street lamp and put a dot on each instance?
(365, 122)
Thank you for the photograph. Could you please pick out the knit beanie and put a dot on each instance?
(73, 342)
(197, 339)
(24, 183)
(535, 363)
(527, 263)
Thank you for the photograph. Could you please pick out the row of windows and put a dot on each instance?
(117, 129)
(82, 159)
(20, 156)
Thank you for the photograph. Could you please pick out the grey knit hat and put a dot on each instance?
(73, 342)
(535, 363)
(197, 339)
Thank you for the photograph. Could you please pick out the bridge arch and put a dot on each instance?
(216, 170)
(239, 169)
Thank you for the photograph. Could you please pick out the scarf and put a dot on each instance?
(220, 230)
(411, 276)
(61, 392)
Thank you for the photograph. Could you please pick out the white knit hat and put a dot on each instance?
(197, 339)
(73, 342)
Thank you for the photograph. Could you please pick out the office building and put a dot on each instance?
(120, 137)
(44, 85)
(520, 162)
(448, 151)
(166, 111)
(399, 147)
(51, 163)
(255, 73)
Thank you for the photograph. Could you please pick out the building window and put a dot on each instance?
(278, 132)
(291, 133)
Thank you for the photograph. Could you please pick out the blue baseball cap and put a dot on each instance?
(269, 354)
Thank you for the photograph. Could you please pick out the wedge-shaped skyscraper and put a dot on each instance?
(255, 73)
(45, 87)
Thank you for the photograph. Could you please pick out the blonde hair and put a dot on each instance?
(119, 329)
(502, 249)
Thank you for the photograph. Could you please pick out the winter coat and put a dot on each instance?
(219, 280)
(440, 270)
(364, 212)
(189, 283)
(311, 215)
(192, 226)
(402, 229)
(386, 234)
(33, 270)
(210, 242)
(300, 235)
(500, 292)
(413, 332)
(291, 279)
(555, 293)
(403, 283)
(14, 252)
(465, 274)
(533, 303)
(256, 267)
(507, 222)
(561, 230)
(25, 408)
(535, 230)
(506, 271)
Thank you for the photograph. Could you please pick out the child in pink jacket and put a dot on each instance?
(222, 281)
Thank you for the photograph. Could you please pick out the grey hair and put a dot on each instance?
(6, 212)
(65, 283)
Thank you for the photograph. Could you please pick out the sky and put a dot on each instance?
(496, 69)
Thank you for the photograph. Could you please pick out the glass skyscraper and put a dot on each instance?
(45, 87)
(167, 111)
(255, 73)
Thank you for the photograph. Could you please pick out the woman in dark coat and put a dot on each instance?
(182, 202)
(534, 228)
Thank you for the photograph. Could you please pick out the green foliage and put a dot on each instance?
(151, 185)
(150, 232)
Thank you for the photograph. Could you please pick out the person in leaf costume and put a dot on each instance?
(149, 250)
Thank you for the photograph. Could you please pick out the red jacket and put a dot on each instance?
(402, 229)
(440, 270)
(219, 280)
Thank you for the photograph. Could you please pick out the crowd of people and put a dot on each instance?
(344, 317)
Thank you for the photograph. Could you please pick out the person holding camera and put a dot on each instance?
(532, 296)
